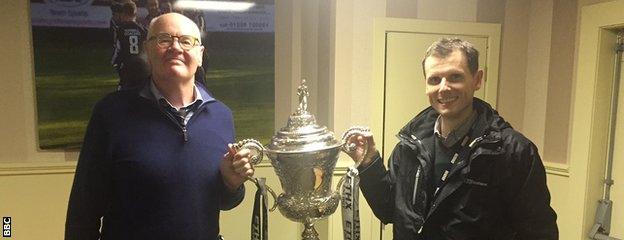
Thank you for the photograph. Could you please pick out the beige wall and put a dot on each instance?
(16, 84)
(36, 202)
(560, 80)
(332, 46)
(34, 184)
(18, 142)
(513, 62)
(536, 83)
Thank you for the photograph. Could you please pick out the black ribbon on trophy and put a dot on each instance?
(350, 205)
(350, 187)
(260, 217)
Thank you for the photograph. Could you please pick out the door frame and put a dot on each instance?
(384, 25)
(591, 109)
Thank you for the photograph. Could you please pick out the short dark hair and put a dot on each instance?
(445, 46)
(128, 8)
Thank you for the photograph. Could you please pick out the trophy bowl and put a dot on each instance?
(307, 191)
(303, 155)
(304, 161)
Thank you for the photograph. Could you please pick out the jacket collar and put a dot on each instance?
(488, 123)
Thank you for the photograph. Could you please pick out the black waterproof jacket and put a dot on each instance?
(498, 192)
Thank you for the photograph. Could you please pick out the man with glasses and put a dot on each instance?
(155, 163)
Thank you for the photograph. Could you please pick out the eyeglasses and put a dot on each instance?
(165, 40)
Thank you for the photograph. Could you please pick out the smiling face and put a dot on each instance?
(451, 85)
(173, 62)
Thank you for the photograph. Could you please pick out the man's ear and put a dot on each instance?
(478, 77)
(201, 54)
(146, 52)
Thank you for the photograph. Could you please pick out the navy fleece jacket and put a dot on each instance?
(138, 174)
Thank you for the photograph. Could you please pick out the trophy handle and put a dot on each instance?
(348, 148)
(255, 147)
(257, 154)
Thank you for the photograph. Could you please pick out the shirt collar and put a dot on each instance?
(196, 95)
(150, 91)
(457, 133)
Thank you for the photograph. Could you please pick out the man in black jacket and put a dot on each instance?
(459, 171)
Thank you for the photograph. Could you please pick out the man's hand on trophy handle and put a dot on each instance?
(236, 167)
(242, 163)
(256, 148)
(368, 142)
(360, 146)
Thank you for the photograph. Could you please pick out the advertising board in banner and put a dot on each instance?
(69, 13)
(259, 18)
(86, 14)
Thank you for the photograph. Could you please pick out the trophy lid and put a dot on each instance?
(301, 133)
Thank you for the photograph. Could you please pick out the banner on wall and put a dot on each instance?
(69, 13)
(87, 14)
(259, 18)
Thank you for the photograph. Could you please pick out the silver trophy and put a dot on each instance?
(303, 155)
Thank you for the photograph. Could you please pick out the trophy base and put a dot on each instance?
(309, 233)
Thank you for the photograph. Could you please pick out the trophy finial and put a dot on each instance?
(302, 92)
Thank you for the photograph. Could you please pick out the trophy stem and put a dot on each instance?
(309, 233)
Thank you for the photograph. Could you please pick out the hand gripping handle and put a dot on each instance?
(350, 147)
(255, 147)
(257, 154)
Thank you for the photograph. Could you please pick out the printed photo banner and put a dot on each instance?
(93, 14)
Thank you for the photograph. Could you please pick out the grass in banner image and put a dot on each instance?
(73, 71)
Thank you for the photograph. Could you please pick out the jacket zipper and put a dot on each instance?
(182, 127)
(184, 133)
(475, 141)
(416, 180)
(471, 146)
(414, 141)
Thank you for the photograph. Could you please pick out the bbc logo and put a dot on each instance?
(6, 226)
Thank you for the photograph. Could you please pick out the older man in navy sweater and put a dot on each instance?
(155, 163)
